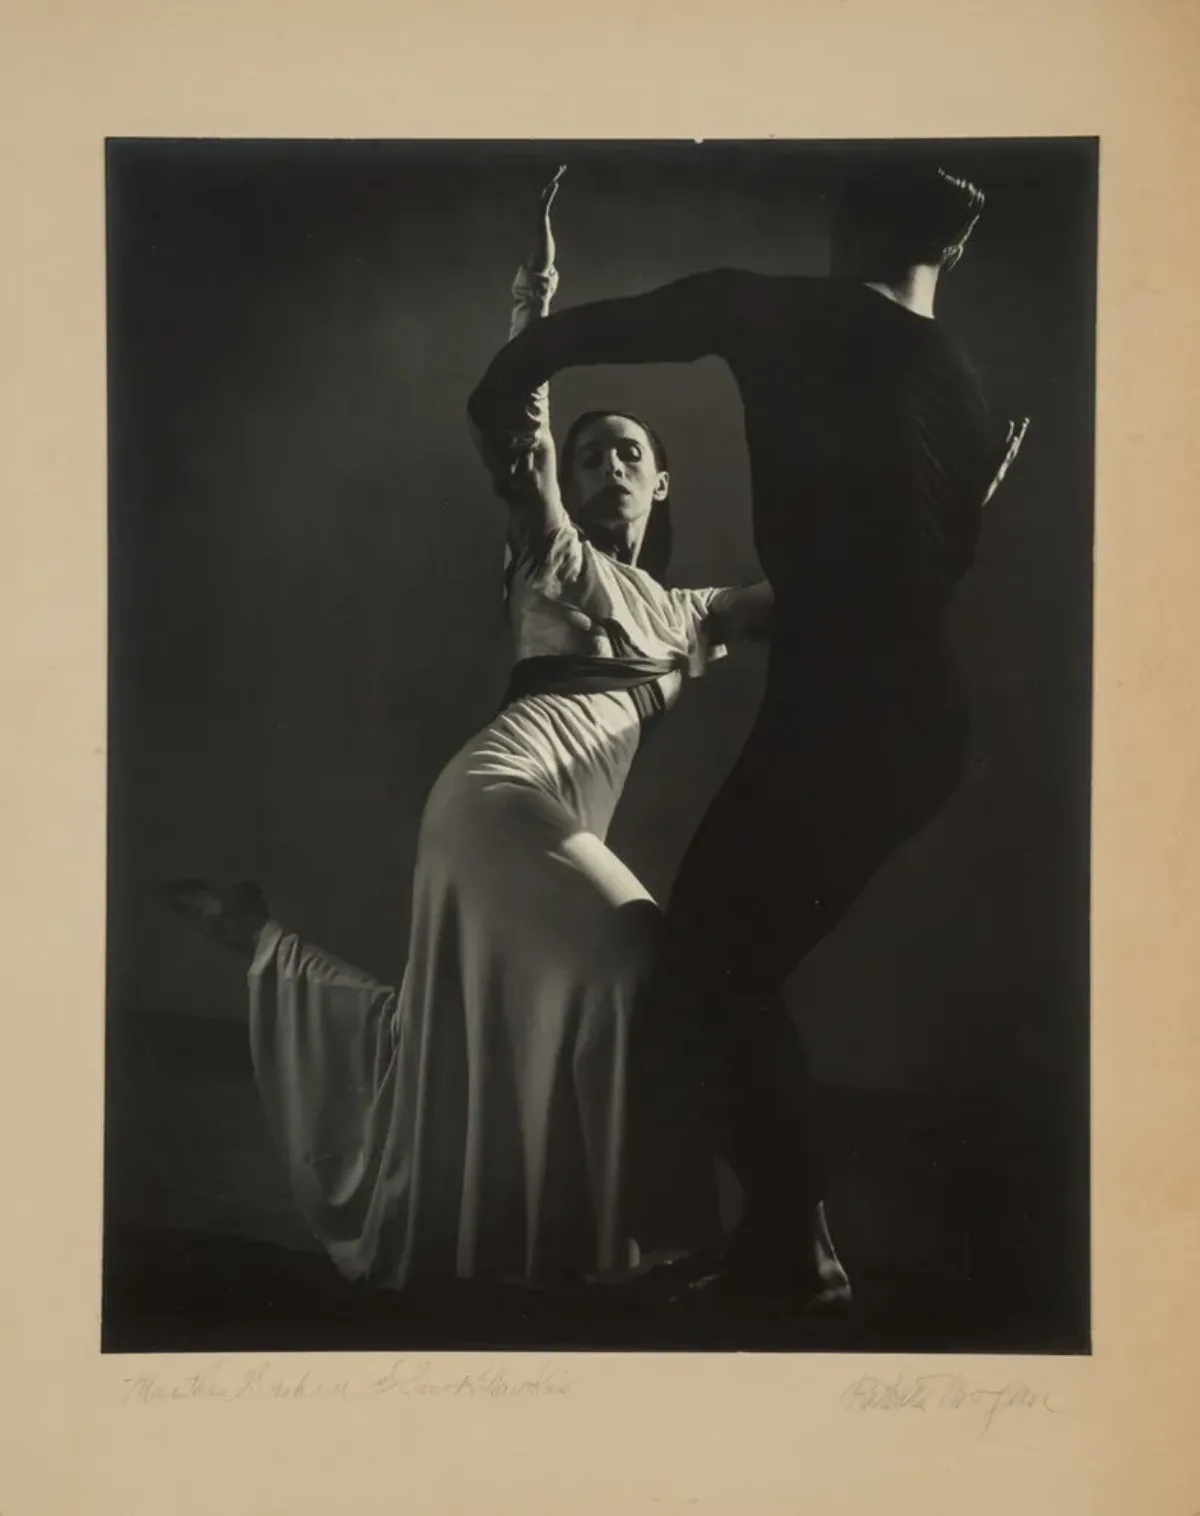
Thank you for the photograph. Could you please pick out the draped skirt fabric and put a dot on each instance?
(476, 1121)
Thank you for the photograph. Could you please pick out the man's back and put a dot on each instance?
(870, 449)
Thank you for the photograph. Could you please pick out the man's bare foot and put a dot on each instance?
(233, 915)
(770, 1286)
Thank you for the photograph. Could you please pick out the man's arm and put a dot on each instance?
(742, 613)
(677, 323)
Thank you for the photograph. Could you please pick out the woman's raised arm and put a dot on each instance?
(533, 290)
(525, 476)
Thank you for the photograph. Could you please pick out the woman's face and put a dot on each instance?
(614, 480)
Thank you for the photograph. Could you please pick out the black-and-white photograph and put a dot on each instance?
(599, 745)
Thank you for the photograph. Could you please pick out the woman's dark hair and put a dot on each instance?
(656, 544)
(898, 215)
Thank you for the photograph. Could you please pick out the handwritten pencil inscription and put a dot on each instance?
(406, 1377)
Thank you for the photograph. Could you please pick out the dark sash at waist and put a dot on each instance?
(563, 675)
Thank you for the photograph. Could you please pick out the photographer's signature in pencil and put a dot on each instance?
(945, 1391)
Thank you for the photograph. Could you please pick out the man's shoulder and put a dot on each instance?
(747, 291)
(753, 280)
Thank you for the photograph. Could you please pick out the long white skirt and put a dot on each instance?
(477, 1121)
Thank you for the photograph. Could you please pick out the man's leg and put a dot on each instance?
(790, 842)
(752, 896)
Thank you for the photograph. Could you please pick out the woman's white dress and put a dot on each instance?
(474, 1122)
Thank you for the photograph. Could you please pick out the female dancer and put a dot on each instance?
(474, 1121)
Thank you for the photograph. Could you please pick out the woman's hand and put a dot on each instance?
(551, 189)
(543, 250)
(1013, 439)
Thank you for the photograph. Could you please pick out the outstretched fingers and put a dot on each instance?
(1013, 439)
(550, 190)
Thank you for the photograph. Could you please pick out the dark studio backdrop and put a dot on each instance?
(306, 622)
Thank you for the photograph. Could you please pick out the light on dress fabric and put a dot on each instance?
(474, 1121)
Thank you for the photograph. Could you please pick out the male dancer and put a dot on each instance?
(871, 455)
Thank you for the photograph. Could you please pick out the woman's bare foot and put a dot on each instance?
(233, 915)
